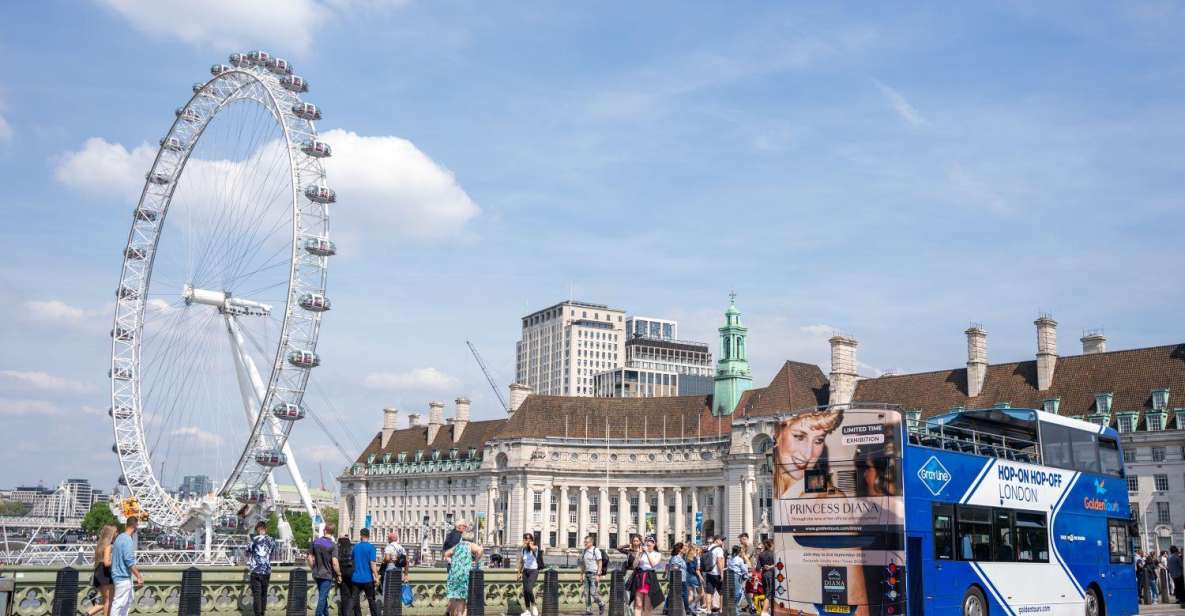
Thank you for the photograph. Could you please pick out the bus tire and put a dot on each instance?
(1094, 602)
(973, 602)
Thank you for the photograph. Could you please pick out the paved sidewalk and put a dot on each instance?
(1162, 609)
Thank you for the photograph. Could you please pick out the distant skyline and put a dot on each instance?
(892, 172)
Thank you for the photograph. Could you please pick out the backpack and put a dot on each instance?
(604, 560)
(707, 562)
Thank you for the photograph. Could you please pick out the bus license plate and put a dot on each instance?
(837, 609)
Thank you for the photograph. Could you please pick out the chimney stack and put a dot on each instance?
(518, 393)
(462, 418)
(976, 359)
(390, 414)
(843, 369)
(1046, 350)
(1093, 341)
(435, 419)
(413, 420)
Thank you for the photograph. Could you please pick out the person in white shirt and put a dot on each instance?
(394, 557)
(592, 568)
(529, 564)
(738, 566)
(714, 576)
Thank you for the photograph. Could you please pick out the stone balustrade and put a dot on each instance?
(225, 590)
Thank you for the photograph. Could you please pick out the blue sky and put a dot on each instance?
(889, 172)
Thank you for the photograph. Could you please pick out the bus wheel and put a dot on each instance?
(973, 603)
(1094, 605)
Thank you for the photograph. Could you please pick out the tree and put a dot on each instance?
(330, 515)
(14, 508)
(302, 527)
(99, 516)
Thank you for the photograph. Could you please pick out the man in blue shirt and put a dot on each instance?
(365, 569)
(123, 568)
(259, 564)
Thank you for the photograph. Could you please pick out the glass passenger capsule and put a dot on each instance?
(123, 481)
(240, 60)
(320, 246)
(314, 302)
(122, 374)
(259, 57)
(172, 144)
(279, 66)
(147, 215)
(186, 114)
(126, 292)
(320, 194)
(123, 333)
(304, 359)
(294, 83)
(307, 111)
(250, 496)
(219, 69)
(288, 411)
(316, 149)
(135, 253)
(120, 412)
(270, 458)
(159, 178)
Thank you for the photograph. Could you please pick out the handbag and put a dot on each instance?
(409, 597)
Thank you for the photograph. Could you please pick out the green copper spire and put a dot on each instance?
(732, 369)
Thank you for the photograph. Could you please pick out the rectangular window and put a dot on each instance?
(1109, 457)
(944, 538)
(975, 533)
(1126, 423)
(1055, 446)
(1162, 514)
(1119, 546)
(537, 505)
(1162, 482)
(1158, 454)
(1002, 530)
(1129, 455)
(1032, 538)
(1133, 484)
(1155, 422)
(1085, 447)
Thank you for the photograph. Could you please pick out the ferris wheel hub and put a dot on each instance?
(225, 302)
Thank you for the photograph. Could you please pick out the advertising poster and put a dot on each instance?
(650, 521)
(839, 514)
(699, 528)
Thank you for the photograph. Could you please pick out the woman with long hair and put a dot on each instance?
(101, 579)
(529, 564)
(644, 588)
(347, 592)
(694, 581)
(461, 559)
(801, 454)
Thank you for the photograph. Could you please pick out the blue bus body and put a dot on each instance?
(1085, 515)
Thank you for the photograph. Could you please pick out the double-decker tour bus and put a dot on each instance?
(1003, 511)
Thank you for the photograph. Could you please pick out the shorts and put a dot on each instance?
(712, 584)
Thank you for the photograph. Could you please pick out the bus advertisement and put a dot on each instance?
(991, 511)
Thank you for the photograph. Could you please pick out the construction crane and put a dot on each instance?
(485, 371)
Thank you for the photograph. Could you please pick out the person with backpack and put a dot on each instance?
(394, 559)
(592, 567)
(325, 567)
(712, 563)
(347, 594)
(766, 564)
(529, 564)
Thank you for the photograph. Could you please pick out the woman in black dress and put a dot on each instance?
(101, 579)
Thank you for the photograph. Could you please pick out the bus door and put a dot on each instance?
(915, 593)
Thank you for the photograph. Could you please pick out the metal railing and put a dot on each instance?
(965, 440)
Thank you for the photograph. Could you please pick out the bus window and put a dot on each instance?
(1110, 462)
(1032, 540)
(1055, 446)
(1005, 546)
(1085, 447)
(975, 533)
(1117, 539)
(944, 532)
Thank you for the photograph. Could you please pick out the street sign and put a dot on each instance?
(367, 525)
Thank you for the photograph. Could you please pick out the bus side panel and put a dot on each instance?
(1080, 534)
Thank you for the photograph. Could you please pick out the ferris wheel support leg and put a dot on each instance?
(209, 539)
(252, 399)
(244, 360)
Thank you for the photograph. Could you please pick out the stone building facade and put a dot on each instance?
(685, 466)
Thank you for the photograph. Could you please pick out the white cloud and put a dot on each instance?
(390, 185)
(226, 24)
(419, 378)
(322, 453)
(202, 437)
(42, 381)
(102, 168)
(54, 311)
(21, 408)
(387, 186)
(902, 107)
(5, 129)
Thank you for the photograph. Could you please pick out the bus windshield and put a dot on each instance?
(839, 512)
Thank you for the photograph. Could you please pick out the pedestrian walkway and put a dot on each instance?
(1163, 609)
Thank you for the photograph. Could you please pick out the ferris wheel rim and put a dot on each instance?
(303, 173)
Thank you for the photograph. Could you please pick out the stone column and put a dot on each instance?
(546, 529)
(642, 507)
(603, 517)
(561, 519)
(694, 509)
(582, 515)
(514, 511)
(660, 519)
(680, 516)
(747, 501)
(718, 494)
(361, 502)
(623, 515)
(491, 513)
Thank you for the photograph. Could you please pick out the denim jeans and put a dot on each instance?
(323, 587)
(592, 592)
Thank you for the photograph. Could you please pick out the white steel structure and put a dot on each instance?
(218, 312)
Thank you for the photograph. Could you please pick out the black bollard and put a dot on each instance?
(298, 592)
(675, 595)
(190, 603)
(393, 593)
(476, 605)
(728, 597)
(617, 593)
(551, 593)
(65, 592)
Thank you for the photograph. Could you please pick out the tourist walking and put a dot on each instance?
(259, 566)
(591, 569)
(713, 574)
(325, 567)
(347, 592)
(366, 570)
(766, 562)
(645, 592)
(740, 571)
(461, 557)
(1141, 583)
(124, 568)
(678, 563)
(1177, 574)
(1152, 575)
(694, 579)
(529, 564)
(101, 578)
(394, 559)
(425, 553)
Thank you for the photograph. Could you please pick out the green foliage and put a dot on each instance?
(330, 515)
(14, 508)
(302, 527)
(98, 516)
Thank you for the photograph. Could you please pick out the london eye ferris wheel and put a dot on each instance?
(221, 295)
